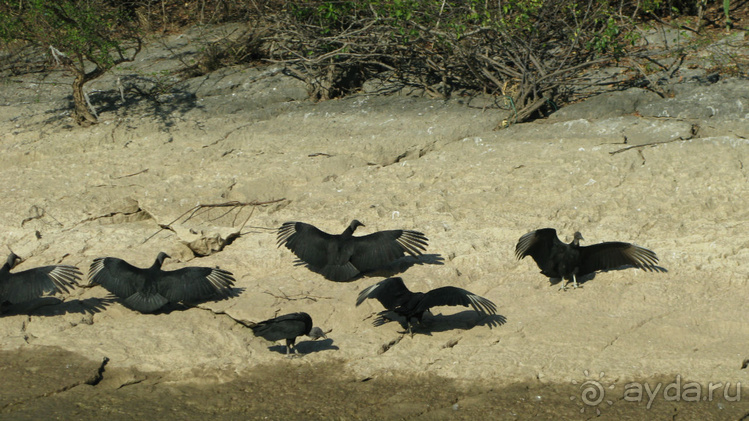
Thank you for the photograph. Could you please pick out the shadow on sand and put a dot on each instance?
(465, 320)
(589, 277)
(398, 266)
(53, 306)
(307, 347)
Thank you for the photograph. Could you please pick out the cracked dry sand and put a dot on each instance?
(71, 195)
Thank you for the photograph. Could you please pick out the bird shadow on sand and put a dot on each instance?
(53, 306)
(170, 307)
(307, 347)
(589, 277)
(398, 266)
(464, 320)
(404, 263)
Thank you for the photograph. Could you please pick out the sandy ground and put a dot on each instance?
(72, 194)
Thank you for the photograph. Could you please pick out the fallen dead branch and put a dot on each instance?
(231, 206)
(131, 175)
(662, 142)
(296, 297)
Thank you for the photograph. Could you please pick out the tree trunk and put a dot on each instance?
(82, 115)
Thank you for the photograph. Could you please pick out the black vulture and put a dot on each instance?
(343, 257)
(288, 327)
(34, 283)
(558, 260)
(148, 290)
(394, 296)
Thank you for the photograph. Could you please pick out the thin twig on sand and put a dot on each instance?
(197, 208)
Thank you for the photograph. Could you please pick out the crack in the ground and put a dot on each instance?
(97, 378)
(93, 380)
(635, 327)
(417, 151)
(451, 343)
(386, 346)
(140, 211)
(23, 330)
(651, 144)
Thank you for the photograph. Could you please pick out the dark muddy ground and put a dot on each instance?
(48, 383)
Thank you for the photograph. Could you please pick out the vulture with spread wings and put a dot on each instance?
(394, 296)
(559, 260)
(343, 257)
(33, 283)
(148, 290)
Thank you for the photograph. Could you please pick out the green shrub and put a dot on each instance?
(88, 37)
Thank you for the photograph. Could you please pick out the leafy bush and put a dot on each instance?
(528, 53)
(525, 50)
(88, 37)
